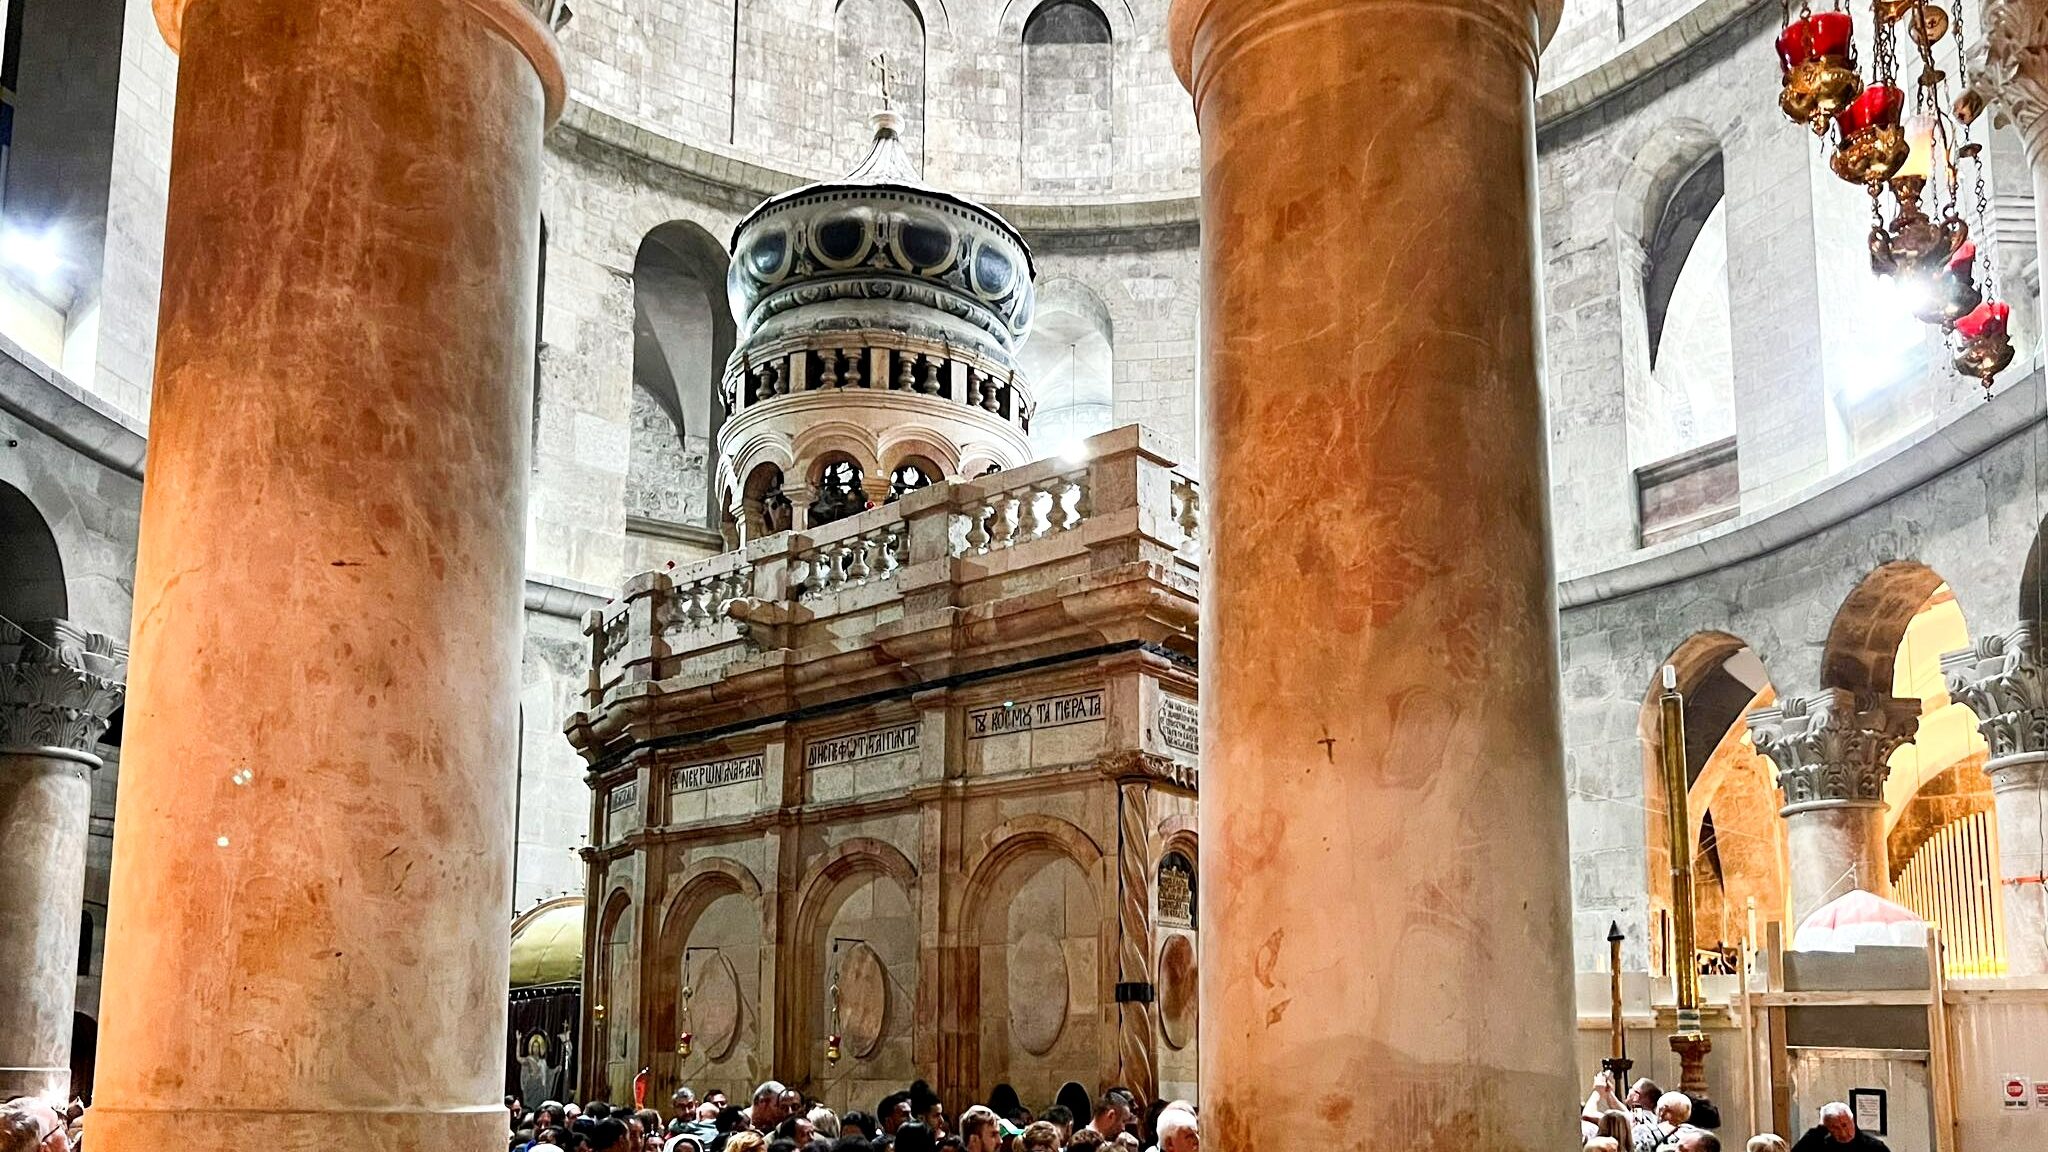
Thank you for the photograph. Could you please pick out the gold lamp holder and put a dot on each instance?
(1690, 1041)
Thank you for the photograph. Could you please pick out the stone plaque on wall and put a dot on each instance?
(1051, 712)
(1177, 891)
(717, 774)
(1180, 724)
(861, 746)
(621, 810)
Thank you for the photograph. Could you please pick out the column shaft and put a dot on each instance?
(2019, 787)
(58, 687)
(311, 870)
(1831, 850)
(1387, 956)
(45, 802)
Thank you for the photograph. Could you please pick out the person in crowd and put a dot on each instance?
(824, 1122)
(767, 1110)
(782, 1145)
(19, 1131)
(1062, 1118)
(1695, 1139)
(685, 1142)
(927, 1109)
(1837, 1132)
(1673, 1109)
(893, 1112)
(792, 1103)
(1041, 1137)
(746, 1142)
(1178, 1131)
(1616, 1124)
(1114, 1112)
(915, 1137)
(1767, 1142)
(715, 1098)
(597, 1110)
(1604, 1144)
(611, 1135)
(1086, 1140)
(683, 1100)
(981, 1129)
(796, 1129)
(851, 1141)
(858, 1124)
(707, 1112)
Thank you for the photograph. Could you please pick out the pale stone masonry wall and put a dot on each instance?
(137, 191)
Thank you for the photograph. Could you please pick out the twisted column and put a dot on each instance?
(59, 685)
(1387, 916)
(1831, 751)
(1137, 1014)
(312, 850)
(2004, 680)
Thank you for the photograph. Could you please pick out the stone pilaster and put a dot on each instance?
(2004, 680)
(1831, 750)
(2011, 74)
(59, 684)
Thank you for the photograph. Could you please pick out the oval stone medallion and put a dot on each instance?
(1178, 982)
(1038, 992)
(715, 1005)
(863, 1000)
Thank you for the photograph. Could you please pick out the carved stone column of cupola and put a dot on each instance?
(59, 685)
(2011, 72)
(1832, 751)
(2004, 680)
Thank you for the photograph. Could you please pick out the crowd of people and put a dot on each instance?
(783, 1119)
(1649, 1119)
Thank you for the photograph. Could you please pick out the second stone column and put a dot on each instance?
(1383, 810)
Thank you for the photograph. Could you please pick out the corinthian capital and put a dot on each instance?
(1832, 747)
(59, 685)
(2004, 680)
(2011, 65)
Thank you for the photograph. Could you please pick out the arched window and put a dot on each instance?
(863, 30)
(909, 476)
(1067, 361)
(839, 493)
(1068, 85)
(1685, 306)
(682, 334)
(31, 572)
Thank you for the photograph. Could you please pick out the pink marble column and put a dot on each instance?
(307, 937)
(1387, 925)
(58, 687)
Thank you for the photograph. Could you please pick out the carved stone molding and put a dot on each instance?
(1129, 764)
(59, 685)
(1831, 748)
(2004, 680)
(2011, 65)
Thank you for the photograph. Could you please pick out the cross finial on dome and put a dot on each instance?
(880, 63)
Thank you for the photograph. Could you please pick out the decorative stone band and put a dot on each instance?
(59, 685)
(1831, 748)
(2010, 66)
(2004, 680)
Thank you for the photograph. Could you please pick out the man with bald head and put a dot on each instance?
(24, 1111)
(1837, 1132)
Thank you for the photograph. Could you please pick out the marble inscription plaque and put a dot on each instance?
(1180, 725)
(621, 810)
(860, 746)
(1051, 712)
(717, 774)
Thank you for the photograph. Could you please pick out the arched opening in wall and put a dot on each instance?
(60, 71)
(1068, 122)
(31, 571)
(708, 979)
(2034, 579)
(911, 475)
(1735, 837)
(764, 509)
(874, 39)
(1938, 802)
(682, 335)
(860, 943)
(1068, 361)
(615, 1013)
(1035, 933)
(837, 491)
(1681, 422)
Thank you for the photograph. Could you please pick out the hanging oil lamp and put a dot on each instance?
(1982, 347)
(684, 1038)
(1817, 56)
(1873, 146)
(832, 1040)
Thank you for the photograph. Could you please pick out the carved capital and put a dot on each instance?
(2010, 66)
(2004, 680)
(1831, 748)
(59, 685)
(1135, 765)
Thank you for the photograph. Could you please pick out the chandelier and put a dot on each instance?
(1905, 141)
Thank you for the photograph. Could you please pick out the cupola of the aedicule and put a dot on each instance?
(878, 323)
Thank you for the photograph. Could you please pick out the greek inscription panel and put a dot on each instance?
(861, 746)
(1180, 725)
(717, 774)
(1051, 712)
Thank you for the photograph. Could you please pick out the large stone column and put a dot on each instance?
(1387, 951)
(58, 686)
(311, 875)
(1832, 751)
(2004, 680)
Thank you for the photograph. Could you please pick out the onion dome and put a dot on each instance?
(881, 310)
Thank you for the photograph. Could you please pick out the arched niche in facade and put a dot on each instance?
(1036, 930)
(31, 569)
(617, 1027)
(706, 973)
(857, 926)
(1069, 361)
(1735, 836)
(1068, 53)
(861, 31)
(682, 335)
